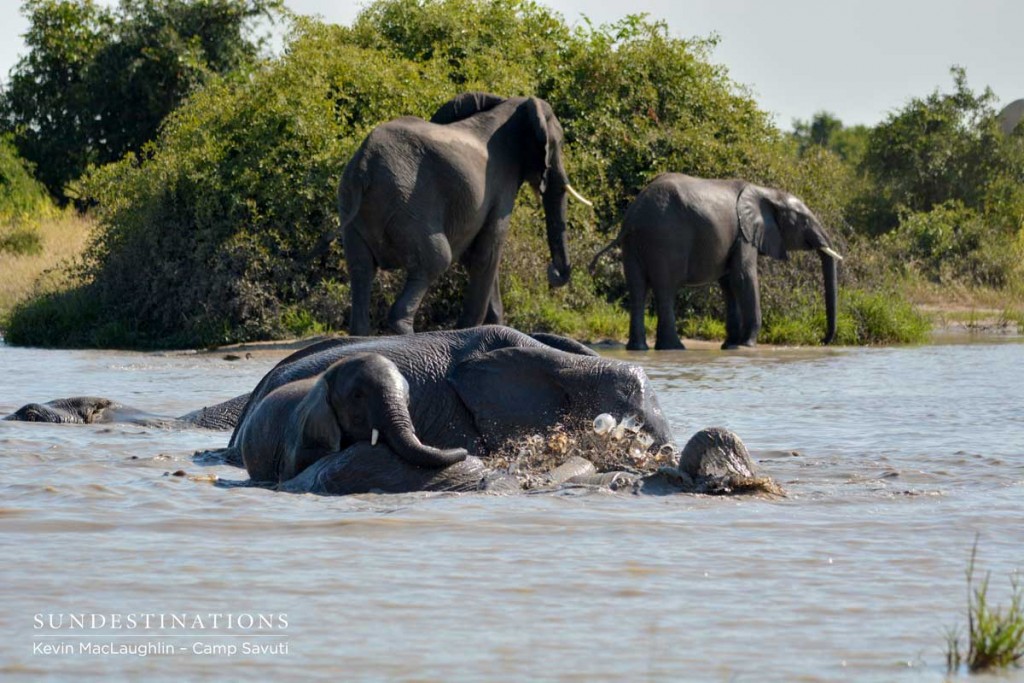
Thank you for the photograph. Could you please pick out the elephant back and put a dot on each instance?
(464, 106)
(423, 359)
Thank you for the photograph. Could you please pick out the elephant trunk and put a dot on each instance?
(829, 275)
(554, 216)
(392, 414)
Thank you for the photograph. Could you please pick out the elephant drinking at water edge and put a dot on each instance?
(686, 231)
(419, 195)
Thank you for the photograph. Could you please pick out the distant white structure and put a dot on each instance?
(1010, 116)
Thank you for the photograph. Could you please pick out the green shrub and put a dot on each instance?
(995, 635)
(953, 243)
(21, 195)
(203, 238)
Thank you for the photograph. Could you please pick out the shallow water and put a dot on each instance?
(894, 459)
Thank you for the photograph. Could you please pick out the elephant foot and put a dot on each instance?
(636, 346)
(670, 345)
(732, 346)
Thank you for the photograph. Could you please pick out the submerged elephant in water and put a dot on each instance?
(95, 410)
(419, 412)
(432, 398)
(714, 460)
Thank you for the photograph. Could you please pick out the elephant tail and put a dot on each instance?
(350, 196)
(614, 243)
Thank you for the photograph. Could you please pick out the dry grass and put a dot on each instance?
(622, 450)
(63, 238)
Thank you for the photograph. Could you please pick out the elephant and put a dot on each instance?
(95, 410)
(419, 195)
(346, 415)
(463, 392)
(713, 461)
(682, 230)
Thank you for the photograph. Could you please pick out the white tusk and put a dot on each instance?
(374, 435)
(832, 252)
(577, 195)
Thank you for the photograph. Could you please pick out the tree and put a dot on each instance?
(97, 83)
(944, 147)
(827, 131)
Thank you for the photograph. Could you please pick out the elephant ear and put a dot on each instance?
(465, 105)
(758, 223)
(539, 124)
(511, 391)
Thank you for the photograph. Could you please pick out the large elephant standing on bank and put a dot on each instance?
(686, 231)
(419, 195)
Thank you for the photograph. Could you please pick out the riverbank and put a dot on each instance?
(946, 309)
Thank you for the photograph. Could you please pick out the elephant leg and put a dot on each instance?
(732, 313)
(744, 285)
(434, 260)
(665, 303)
(636, 285)
(482, 259)
(361, 270)
(495, 309)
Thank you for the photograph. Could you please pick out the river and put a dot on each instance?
(894, 461)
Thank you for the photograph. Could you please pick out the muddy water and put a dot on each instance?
(894, 459)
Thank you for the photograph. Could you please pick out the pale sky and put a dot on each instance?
(859, 59)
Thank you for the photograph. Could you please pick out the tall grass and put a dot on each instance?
(61, 238)
(995, 635)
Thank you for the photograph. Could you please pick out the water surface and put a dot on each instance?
(894, 459)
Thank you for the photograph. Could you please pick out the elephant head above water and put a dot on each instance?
(686, 231)
(419, 195)
(358, 398)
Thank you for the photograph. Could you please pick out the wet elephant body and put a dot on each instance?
(447, 395)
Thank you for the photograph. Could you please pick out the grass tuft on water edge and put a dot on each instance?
(995, 636)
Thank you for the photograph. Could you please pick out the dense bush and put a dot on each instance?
(205, 235)
(945, 147)
(22, 200)
(204, 241)
(21, 195)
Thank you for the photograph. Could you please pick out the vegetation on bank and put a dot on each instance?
(994, 639)
(203, 236)
(60, 238)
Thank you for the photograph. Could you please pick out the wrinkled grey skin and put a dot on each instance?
(420, 195)
(686, 231)
(434, 397)
(94, 410)
(297, 423)
(710, 461)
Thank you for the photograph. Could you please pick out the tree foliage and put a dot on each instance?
(826, 131)
(204, 233)
(21, 195)
(96, 83)
(203, 240)
(944, 147)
